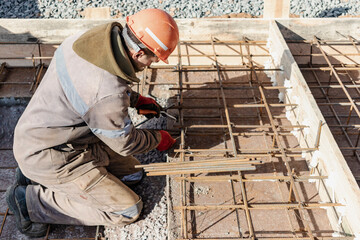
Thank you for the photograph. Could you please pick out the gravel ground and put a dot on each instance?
(177, 8)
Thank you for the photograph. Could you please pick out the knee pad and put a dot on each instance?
(133, 212)
(133, 178)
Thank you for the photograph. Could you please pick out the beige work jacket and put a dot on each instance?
(83, 98)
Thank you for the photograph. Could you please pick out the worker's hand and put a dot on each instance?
(148, 107)
(166, 141)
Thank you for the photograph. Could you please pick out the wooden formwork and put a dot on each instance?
(343, 186)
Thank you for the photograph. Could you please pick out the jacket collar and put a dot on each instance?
(103, 47)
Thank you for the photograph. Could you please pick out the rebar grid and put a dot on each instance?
(228, 129)
(340, 93)
(293, 204)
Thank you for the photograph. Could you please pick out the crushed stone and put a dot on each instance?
(65, 9)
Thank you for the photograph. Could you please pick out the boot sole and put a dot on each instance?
(10, 199)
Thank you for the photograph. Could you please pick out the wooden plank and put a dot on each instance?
(56, 30)
(343, 186)
(96, 13)
(324, 28)
(276, 8)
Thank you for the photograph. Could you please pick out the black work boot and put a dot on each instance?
(21, 179)
(134, 179)
(15, 198)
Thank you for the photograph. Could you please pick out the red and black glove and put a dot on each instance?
(166, 141)
(148, 107)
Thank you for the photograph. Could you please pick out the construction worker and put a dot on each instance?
(75, 140)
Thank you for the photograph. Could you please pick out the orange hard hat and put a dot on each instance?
(156, 29)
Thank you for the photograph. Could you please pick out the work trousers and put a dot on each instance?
(98, 197)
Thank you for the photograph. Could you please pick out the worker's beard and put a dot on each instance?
(137, 66)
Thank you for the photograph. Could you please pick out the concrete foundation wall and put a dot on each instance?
(324, 28)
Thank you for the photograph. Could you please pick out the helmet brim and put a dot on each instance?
(165, 61)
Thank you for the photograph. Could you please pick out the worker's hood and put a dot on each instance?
(95, 46)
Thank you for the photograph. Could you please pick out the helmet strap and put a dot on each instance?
(136, 47)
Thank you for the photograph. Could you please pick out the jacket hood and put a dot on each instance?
(95, 47)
